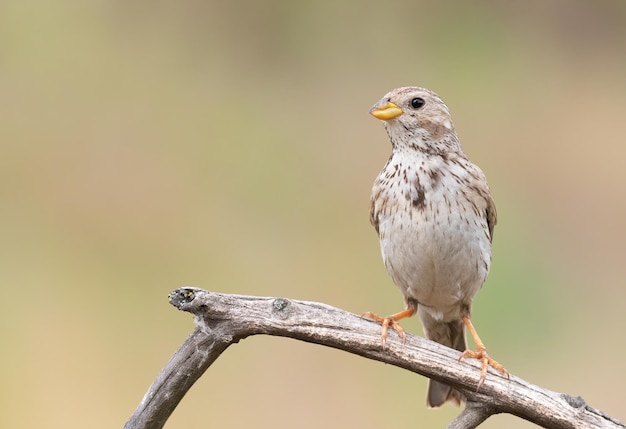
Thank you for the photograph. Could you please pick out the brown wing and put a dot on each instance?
(374, 214)
(492, 215)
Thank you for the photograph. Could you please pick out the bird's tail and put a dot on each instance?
(451, 334)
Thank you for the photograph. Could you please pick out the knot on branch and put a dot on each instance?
(281, 307)
(574, 402)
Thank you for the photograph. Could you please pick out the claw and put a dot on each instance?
(486, 361)
(481, 354)
(390, 322)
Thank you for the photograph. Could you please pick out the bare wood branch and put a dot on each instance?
(472, 415)
(225, 319)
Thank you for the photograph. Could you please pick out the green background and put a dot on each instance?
(227, 145)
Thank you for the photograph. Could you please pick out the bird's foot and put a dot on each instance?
(481, 354)
(390, 322)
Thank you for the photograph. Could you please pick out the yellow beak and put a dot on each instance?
(386, 111)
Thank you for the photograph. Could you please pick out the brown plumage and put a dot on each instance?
(434, 215)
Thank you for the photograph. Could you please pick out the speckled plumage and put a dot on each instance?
(434, 215)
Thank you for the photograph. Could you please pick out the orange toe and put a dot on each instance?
(390, 322)
(481, 354)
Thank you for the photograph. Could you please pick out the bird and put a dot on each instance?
(434, 215)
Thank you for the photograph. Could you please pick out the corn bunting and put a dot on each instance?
(434, 215)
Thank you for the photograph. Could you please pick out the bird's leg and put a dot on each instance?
(481, 354)
(391, 321)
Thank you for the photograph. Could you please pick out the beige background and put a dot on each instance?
(227, 145)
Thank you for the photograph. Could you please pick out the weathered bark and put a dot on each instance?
(225, 319)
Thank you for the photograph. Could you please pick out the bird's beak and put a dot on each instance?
(385, 110)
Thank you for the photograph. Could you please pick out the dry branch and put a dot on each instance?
(225, 319)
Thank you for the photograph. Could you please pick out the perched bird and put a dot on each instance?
(434, 215)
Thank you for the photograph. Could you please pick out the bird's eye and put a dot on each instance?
(417, 102)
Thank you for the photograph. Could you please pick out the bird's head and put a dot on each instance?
(416, 118)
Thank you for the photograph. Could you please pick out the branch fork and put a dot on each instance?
(224, 319)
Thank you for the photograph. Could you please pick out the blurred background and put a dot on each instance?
(151, 145)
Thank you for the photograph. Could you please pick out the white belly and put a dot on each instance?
(438, 255)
